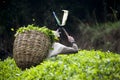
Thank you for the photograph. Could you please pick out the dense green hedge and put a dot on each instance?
(84, 65)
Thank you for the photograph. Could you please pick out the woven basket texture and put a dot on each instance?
(30, 48)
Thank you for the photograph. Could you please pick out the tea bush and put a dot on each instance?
(84, 65)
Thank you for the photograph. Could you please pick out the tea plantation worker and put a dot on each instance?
(58, 48)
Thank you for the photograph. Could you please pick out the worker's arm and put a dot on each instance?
(69, 50)
(58, 48)
(73, 49)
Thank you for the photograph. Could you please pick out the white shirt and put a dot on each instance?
(58, 48)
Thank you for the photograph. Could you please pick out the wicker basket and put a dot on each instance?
(30, 48)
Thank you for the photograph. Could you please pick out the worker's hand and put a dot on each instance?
(71, 39)
(56, 33)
